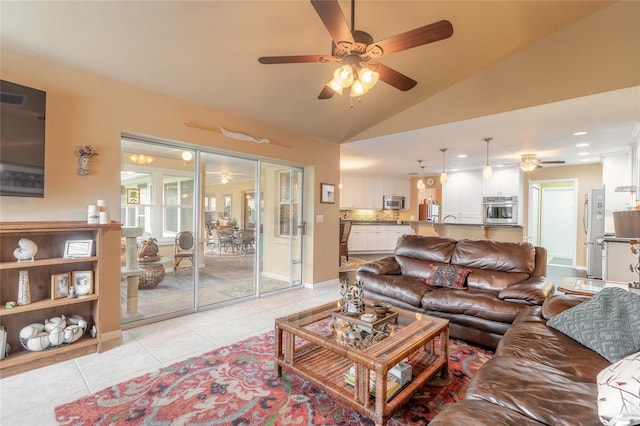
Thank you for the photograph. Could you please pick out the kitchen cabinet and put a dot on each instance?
(616, 259)
(367, 192)
(51, 238)
(462, 197)
(375, 238)
(505, 181)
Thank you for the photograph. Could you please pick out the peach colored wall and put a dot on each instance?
(85, 108)
(588, 176)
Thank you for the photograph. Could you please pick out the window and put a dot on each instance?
(177, 198)
(137, 215)
(288, 213)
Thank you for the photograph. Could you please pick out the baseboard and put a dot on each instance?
(322, 284)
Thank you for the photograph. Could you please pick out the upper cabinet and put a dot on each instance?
(505, 181)
(366, 193)
(461, 197)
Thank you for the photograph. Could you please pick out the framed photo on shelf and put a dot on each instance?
(60, 285)
(327, 193)
(78, 248)
(83, 282)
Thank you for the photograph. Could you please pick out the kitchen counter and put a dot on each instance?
(499, 232)
(377, 222)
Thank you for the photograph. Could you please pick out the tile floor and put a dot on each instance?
(28, 399)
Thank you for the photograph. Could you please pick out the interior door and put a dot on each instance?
(281, 227)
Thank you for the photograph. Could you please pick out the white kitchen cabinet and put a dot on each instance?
(367, 192)
(375, 238)
(505, 181)
(616, 258)
(357, 238)
(462, 197)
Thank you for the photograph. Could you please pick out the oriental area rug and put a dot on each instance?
(237, 385)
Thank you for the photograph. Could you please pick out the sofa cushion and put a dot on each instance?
(476, 303)
(495, 255)
(607, 324)
(619, 392)
(431, 249)
(542, 393)
(409, 290)
(529, 338)
(448, 276)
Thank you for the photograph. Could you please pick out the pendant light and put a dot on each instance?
(443, 175)
(420, 185)
(486, 171)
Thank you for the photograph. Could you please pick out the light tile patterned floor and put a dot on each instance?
(29, 398)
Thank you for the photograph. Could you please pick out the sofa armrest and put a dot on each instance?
(384, 266)
(560, 303)
(533, 291)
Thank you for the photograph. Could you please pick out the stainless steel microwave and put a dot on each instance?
(393, 202)
(500, 210)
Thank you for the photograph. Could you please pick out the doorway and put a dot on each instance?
(552, 219)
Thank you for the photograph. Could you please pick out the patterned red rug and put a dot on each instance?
(236, 385)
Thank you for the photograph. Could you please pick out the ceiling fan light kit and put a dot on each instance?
(354, 49)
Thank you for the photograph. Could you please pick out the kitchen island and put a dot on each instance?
(474, 231)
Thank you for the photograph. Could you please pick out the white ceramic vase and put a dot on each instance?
(24, 292)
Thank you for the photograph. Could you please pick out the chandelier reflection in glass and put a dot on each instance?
(358, 77)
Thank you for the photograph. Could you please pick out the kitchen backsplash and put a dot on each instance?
(372, 215)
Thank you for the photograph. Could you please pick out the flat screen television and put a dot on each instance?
(22, 128)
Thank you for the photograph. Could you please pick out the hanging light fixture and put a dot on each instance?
(486, 171)
(420, 184)
(443, 175)
(141, 159)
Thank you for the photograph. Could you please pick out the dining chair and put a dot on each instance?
(244, 239)
(183, 248)
(345, 230)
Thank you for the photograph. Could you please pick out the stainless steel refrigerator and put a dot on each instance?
(593, 222)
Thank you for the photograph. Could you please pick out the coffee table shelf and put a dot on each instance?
(321, 360)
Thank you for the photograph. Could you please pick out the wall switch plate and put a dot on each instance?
(319, 218)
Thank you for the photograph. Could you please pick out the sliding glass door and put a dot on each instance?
(209, 228)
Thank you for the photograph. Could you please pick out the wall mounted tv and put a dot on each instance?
(22, 127)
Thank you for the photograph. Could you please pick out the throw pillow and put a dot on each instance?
(607, 324)
(448, 276)
(619, 392)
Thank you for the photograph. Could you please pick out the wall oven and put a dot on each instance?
(500, 210)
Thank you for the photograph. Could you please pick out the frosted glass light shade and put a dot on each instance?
(443, 177)
(487, 172)
(343, 76)
(420, 185)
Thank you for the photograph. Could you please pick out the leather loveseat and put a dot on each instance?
(539, 376)
(504, 279)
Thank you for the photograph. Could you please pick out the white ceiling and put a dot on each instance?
(206, 52)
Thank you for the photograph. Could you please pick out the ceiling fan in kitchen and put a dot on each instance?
(530, 162)
(356, 52)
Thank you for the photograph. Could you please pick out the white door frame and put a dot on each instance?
(532, 215)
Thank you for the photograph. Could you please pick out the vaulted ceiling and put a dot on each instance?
(503, 56)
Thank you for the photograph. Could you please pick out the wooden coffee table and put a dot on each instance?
(307, 346)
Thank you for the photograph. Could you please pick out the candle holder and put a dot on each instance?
(352, 297)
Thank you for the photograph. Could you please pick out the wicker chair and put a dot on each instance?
(183, 248)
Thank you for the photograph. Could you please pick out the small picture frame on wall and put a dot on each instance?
(83, 282)
(327, 193)
(78, 248)
(133, 196)
(60, 285)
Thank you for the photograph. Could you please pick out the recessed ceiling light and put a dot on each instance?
(583, 153)
(584, 160)
(454, 170)
(582, 145)
(499, 165)
(580, 133)
(462, 155)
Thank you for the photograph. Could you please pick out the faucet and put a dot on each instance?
(448, 216)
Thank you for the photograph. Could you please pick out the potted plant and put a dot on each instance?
(234, 223)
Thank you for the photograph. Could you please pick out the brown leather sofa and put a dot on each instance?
(538, 376)
(506, 278)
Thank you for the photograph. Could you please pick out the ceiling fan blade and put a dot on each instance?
(333, 19)
(294, 59)
(394, 78)
(414, 38)
(552, 162)
(326, 93)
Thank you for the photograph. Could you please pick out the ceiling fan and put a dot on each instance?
(356, 51)
(530, 162)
